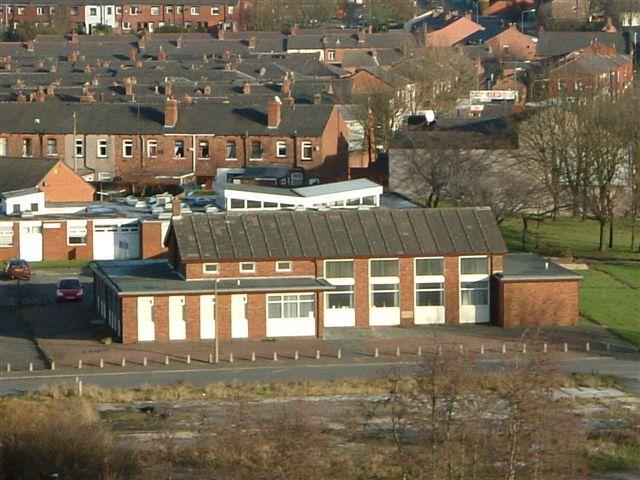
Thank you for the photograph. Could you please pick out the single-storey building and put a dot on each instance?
(294, 273)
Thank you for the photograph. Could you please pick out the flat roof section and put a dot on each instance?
(532, 267)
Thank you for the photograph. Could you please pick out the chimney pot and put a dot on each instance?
(176, 209)
(133, 54)
(252, 43)
(317, 99)
(162, 56)
(246, 89)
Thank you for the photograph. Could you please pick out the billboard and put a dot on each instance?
(487, 96)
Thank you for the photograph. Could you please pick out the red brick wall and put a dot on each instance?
(407, 291)
(151, 240)
(257, 315)
(361, 292)
(129, 319)
(8, 253)
(451, 291)
(62, 184)
(54, 243)
(15, 145)
(520, 46)
(538, 303)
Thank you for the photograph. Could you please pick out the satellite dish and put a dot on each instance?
(430, 116)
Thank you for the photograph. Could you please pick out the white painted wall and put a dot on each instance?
(24, 201)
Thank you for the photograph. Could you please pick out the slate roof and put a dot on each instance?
(156, 276)
(197, 118)
(337, 234)
(555, 44)
(23, 173)
(593, 64)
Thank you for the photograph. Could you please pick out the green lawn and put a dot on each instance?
(611, 303)
(626, 273)
(570, 237)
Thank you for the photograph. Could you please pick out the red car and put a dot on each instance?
(69, 289)
(18, 270)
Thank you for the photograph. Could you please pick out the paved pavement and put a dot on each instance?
(17, 345)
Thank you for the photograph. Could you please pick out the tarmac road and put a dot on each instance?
(628, 370)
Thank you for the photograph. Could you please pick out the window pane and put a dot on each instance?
(290, 309)
(475, 297)
(384, 268)
(275, 310)
(340, 300)
(478, 284)
(339, 269)
(473, 266)
(427, 299)
(306, 309)
(430, 266)
(429, 286)
(385, 299)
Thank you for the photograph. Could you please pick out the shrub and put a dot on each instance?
(61, 437)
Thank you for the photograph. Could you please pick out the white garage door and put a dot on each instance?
(291, 315)
(116, 241)
(207, 317)
(146, 325)
(177, 321)
(31, 241)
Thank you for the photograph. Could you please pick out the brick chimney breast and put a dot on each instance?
(246, 89)
(162, 56)
(176, 209)
(31, 46)
(171, 112)
(286, 85)
(252, 43)
(133, 54)
(168, 89)
(274, 112)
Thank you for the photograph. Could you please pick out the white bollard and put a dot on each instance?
(566, 347)
(296, 355)
(253, 356)
(419, 350)
(504, 348)
(102, 363)
(524, 348)
(124, 362)
(166, 359)
(587, 347)
(144, 361)
(339, 355)
(53, 365)
(79, 388)
(230, 357)
(317, 354)
(545, 348)
(31, 366)
(8, 367)
(397, 351)
(188, 359)
(211, 358)
(461, 348)
(79, 364)
(275, 356)
(482, 349)
(376, 353)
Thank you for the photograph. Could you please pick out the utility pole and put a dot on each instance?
(215, 315)
(73, 147)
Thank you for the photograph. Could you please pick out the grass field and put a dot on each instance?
(570, 237)
(610, 302)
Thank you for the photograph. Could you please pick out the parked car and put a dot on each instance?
(18, 269)
(69, 289)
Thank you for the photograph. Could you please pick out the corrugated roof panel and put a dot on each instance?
(406, 231)
(373, 234)
(255, 236)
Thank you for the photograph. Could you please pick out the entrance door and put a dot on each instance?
(146, 325)
(31, 241)
(207, 317)
(239, 321)
(177, 323)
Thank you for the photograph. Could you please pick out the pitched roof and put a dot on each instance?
(337, 234)
(593, 64)
(23, 173)
(554, 44)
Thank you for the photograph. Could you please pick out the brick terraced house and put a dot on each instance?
(84, 16)
(294, 273)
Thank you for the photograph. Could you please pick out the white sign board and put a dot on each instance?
(486, 96)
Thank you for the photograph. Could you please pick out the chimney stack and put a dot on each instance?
(288, 101)
(128, 88)
(167, 89)
(179, 42)
(246, 89)
(252, 43)
(74, 37)
(40, 95)
(161, 55)
(86, 69)
(72, 57)
(274, 112)
(361, 36)
(54, 68)
(171, 112)
(51, 89)
(21, 98)
(95, 81)
(31, 46)
(286, 84)
(138, 63)
(133, 54)
(317, 99)
(176, 209)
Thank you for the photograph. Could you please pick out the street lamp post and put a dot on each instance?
(215, 315)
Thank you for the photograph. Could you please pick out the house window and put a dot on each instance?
(290, 306)
(215, 10)
(232, 153)
(102, 148)
(203, 149)
(429, 282)
(179, 9)
(4, 147)
(231, 9)
(27, 147)
(474, 266)
(281, 149)
(73, 11)
(562, 85)
(429, 266)
(331, 55)
(119, 10)
(384, 268)
(340, 274)
(93, 12)
(34, 207)
(338, 269)
(247, 267)
(307, 151)
(52, 146)
(474, 281)
(20, 10)
(126, 25)
(578, 85)
(76, 234)
(195, 10)
(6, 234)
(169, 9)
(135, 10)
(430, 294)
(283, 266)
(127, 148)
(210, 268)
(39, 11)
(256, 150)
(152, 148)
(16, 209)
(178, 149)
(79, 147)
(104, 177)
(52, 10)
(155, 10)
(109, 10)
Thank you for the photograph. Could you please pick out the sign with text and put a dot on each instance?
(486, 96)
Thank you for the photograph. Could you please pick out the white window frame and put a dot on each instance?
(251, 265)
(331, 55)
(251, 157)
(4, 147)
(169, 9)
(215, 10)
(428, 279)
(303, 146)
(393, 281)
(55, 145)
(77, 229)
(195, 11)
(281, 145)
(215, 268)
(155, 10)
(52, 10)
(20, 10)
(208, 144)
(152, 144)
(231, 9)
(127, 144)
(134, 10)
(39, 11)
(6, 231)
(175, 149)
(93, 12)
(284, 266)
(470, 278)
(102, 148)
(235, 148)
(126, 25)
(78, 147)
(289, 299)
